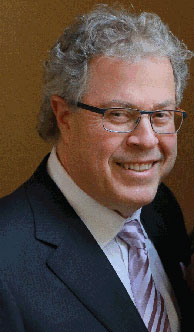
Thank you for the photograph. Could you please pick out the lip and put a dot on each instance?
(139, 174)
(150, 161)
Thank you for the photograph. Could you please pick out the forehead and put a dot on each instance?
(112, 78)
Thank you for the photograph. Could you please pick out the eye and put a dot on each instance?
(117, 115)
(162, 115)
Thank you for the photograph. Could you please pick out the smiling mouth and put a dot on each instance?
(137, 167)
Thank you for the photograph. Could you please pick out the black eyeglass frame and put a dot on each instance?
(103, 110)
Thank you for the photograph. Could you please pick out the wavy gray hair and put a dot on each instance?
(111, 32)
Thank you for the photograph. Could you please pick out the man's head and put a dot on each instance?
(113, 59)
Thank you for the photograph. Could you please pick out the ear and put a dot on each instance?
(62, 112)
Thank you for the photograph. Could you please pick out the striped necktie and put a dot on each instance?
(148, 300)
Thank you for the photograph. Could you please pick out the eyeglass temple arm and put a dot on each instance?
(178, 110)
(91, 108)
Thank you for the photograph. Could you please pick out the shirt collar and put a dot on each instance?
(103, 223)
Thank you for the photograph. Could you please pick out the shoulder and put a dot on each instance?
(166, 203)
(17, 223)
(14, 208)
(16, 219)
(16, 233)
(170, 216)
(167, 206)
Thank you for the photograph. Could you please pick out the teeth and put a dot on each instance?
(137, 167)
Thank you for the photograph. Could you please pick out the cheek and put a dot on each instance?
(91, 145)
(170, 151)
(172, 147)
(100, 144)
(100, 155)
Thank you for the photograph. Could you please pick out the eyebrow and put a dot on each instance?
(120, 103)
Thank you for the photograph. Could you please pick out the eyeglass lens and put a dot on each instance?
(125, 120)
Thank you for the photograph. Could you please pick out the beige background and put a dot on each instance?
(28, 28)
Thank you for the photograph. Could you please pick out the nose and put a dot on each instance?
(143, 135)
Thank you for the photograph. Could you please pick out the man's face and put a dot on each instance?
(105, 164)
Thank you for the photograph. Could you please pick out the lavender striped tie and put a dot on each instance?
(148, 300)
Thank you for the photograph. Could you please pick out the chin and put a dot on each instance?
(138, 198)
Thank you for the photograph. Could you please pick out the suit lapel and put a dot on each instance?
(154, 226)
(77, 260)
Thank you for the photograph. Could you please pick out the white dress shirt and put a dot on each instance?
(104, 224)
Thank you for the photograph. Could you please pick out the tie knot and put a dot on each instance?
(132, 234)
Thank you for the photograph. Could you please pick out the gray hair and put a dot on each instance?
(110, 32)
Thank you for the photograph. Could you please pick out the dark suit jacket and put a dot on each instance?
(54, 276)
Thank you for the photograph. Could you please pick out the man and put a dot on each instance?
(112, 86)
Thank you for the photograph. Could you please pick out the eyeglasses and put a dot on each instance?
(125, 120)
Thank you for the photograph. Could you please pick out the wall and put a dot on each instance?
(27, 31)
